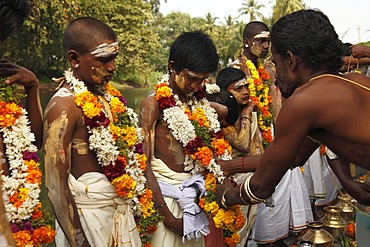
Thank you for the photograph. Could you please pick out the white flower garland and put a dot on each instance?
(212, 88)
(18, 139)
(183, 131)
(102, 143)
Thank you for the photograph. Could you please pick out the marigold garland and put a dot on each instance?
(198, 130)
(118, 147)
(259, 85)
(30, 225)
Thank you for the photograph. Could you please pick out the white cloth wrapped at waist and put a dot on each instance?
(106, 218)
(195, 221)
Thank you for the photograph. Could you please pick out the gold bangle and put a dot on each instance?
(223, 199)
(240, 193)
(253, 198)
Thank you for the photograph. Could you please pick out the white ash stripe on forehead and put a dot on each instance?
(241, 82)
(105, 50)
(263, 34)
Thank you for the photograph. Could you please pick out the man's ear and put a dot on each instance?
(171, 67)
(293, 60)
(246, 42)
(73, 58)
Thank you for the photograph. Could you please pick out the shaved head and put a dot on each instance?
(83, 33)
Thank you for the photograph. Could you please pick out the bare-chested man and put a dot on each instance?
(321, 104)
(12, 15)
(192, 58)
(82, 157)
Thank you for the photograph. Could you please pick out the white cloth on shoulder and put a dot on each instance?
(164, 236)
(106, 218)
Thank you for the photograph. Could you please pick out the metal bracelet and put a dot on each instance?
(240, 194)
(223, 199)
(253, 198)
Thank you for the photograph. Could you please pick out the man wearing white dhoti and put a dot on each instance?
(103, 214)
(94, 172)
(179, 141)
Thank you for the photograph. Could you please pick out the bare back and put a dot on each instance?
(347, 105)
(331, 111)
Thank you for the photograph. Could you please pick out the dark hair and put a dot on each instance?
(81, 34)
(346, 49)
(13, 13)
(309, 35)
(228, 76)
(226, 98)
(252, 27)
(194, 51)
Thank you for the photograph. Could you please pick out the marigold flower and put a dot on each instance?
(125, 186)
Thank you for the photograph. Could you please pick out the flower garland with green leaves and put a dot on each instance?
(259, 86)
(117, 144)
(29, 224)
(197, 128)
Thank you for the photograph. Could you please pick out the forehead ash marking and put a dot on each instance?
(241, 82)
(105, 50)
(263, 34)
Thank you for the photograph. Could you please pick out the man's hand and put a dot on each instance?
(17, 74)
(174, 224)
(221, 188)
(359, 51)
(359, 191)
(248, 108)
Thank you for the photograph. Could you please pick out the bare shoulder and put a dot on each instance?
(61, 101)
(149, 111)
(149, 104)
(149, 100)
(220, 109)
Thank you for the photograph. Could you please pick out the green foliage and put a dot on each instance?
(284, 7)
(145, 35)
(9, 93)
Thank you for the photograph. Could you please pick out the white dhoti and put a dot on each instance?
(292, 209)
(106, 219)
(163, 236)
(320, 180)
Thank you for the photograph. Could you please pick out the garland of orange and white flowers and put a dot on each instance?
(259, 85)
(23, 184)
(118, 148)
(197, 128)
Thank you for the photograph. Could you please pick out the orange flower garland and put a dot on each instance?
(197, 128)
(259, 85)
(118, 147)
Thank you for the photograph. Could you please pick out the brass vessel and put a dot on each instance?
(318, 235)
(334, 223)
(305, 243)
(347, 210)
